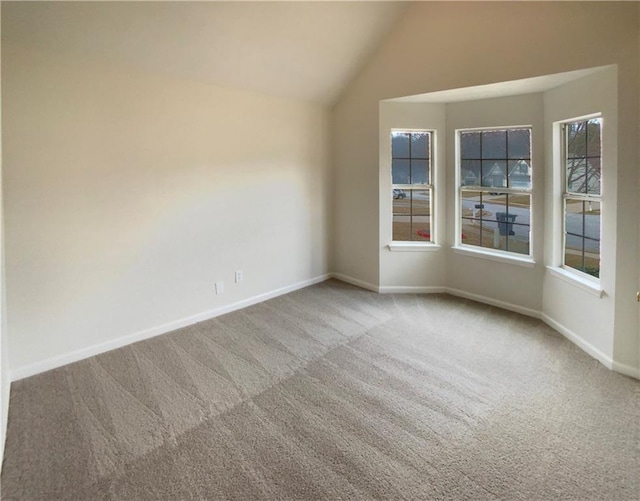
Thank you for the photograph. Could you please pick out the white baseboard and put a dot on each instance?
(355, 281)
(97, 349)
(494, 302)
(627, 370)
(604, 359)
(409, 289)
(578, 341)
(6, 390)
(75, 356)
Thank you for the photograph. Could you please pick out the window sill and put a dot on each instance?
(413, 247)
(592, 286)
(525, 261)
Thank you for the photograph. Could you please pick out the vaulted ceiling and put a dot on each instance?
(298, 50)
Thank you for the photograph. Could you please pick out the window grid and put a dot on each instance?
(497, 229)
(412, 202)
(581, 248)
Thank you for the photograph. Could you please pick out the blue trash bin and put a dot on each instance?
(505, 223)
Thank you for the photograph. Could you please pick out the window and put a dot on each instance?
(582, 162)
(495, 189)
(412, 185)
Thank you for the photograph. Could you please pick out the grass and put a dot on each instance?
(591, 263)
(514, 200)
(471, 236)
(402, 232)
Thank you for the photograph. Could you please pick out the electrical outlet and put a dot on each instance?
(239, 276)
(219, 287)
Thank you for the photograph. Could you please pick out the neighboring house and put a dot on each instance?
(495, 177)
(520, 175)
(470, 179)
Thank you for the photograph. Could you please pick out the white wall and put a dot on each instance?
(499, 281)
(122, 188)
(411, 270)
(449, 45)
(577, 310)
(5, 382)
(354, 139)
(128, 195)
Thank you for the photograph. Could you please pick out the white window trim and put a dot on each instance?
(568, 274)
(495, 255)
(417, 245)
(410, 246)
(485, 252)
(577, 279)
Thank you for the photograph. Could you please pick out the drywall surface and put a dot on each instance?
(422, 268)
(303, 50)
(590, 317)
(128, 195)
(355, 135)
(5, 381)
(503, 281)
(627, 346)
(422, 55)
(448, 45)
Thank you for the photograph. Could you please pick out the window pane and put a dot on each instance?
(470, 232)
(593, 138)
(519, 174)
(420, 203)
(576, 175)
(573, 217)
(582, 254)
(419, 172)
(471, 204)
(494, 173)
(593, 176)
(410, 165)
(573, 256)
(421, 215)
(592, 258)
(401, 228)
(516, 226)
(494, 204)
(470, 172)
(582, 236)
(519, 143)
(401, 202)
(469, 145)
(399, 194)
(400, 171)
(582, 218)
(472, 211)
(494, 144)
(401, 215)
(497, 221)
(420, 145)
(592, 220)
(411, 215)
(576, 140)
(400, 145)
(492, 218)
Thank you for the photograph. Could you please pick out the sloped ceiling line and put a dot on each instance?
(296, 50)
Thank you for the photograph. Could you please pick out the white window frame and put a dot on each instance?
(416, 245)
(582, 276)
(487, 252)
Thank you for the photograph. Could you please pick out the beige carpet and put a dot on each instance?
(331, 392)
